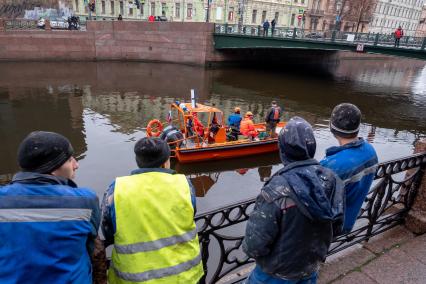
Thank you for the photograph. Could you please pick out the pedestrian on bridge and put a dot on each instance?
(265, 27)
(273, 22)
(299, 208)
(149, 217)
(399, 33)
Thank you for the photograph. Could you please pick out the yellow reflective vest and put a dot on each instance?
(156, 239)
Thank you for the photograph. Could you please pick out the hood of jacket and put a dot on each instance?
(296, 141)
(317, 191)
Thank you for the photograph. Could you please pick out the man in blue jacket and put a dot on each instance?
(47, 224)
(354, 160)
(296, 213)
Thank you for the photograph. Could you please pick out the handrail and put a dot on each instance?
(326, 36)
(390, 198)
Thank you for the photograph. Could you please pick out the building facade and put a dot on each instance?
(343, 15)
(287, 13)
(390, 14)
(421, 28)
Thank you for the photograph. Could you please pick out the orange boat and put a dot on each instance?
(192, 141)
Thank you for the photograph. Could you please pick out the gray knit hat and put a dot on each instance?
(345, 120)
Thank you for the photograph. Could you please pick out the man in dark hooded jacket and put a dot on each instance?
(291, 227)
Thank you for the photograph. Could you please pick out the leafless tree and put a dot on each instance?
(357, 11)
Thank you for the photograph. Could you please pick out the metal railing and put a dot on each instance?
(391, 196)
(372, 39)
(20, 24)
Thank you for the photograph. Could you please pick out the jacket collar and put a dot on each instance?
(294, 165)
(149, 170)
(41, 179)
(335, 149)
(297, 164)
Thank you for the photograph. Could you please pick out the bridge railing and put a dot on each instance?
(390, 198)
(326, 36)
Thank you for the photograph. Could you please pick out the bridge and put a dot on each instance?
(234, 37)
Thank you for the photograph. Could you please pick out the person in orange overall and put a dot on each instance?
(247, 126)
(198, 126)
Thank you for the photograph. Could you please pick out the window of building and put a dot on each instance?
(177, 10)
(76, 5)
(277, 15)
(153, 8)
(130, 11)
(303, 1)
(263, 16)
(189, 11)
(253, 17)
(103, 7)
(293, 16)
(111, 3)
(231, 14)
(163, 9)
(121, 7)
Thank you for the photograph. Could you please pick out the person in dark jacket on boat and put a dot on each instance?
(48, 225)
(272, 118)
(298, 210)
(354, 160)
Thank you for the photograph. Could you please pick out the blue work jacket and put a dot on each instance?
(47, 230)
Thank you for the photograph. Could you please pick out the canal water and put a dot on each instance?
(103, 109)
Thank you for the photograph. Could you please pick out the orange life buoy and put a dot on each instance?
(154, 128)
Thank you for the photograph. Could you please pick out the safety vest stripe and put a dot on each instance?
(158, 273)
(45, 214)
(155, 245)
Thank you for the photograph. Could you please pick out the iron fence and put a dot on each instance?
(391, 196)
(373, 39)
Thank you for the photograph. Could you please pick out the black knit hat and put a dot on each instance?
(345, 120)
(151, 152)
(43, 152)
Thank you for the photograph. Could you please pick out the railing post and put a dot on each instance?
(258, 30)
(424, 43)
(294, 33)
(376, 39)
(416, 219)
(333, 36)
(226, 28)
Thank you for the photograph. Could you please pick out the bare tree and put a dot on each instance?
(356, 11)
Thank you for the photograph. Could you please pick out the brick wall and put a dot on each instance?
(188, 43)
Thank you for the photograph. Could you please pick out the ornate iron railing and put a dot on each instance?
(371, 39)
(221, 231)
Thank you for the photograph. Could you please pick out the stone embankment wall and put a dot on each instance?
(187, 43)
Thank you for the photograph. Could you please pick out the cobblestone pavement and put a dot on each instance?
(396, 256)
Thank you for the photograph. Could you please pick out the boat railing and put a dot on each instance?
(391, 196)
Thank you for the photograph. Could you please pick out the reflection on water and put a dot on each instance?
(103, 109)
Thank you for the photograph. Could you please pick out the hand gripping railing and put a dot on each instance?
(391, 196)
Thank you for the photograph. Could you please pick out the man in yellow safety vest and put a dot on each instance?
(149, 217)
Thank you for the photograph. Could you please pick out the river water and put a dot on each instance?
(103, 107)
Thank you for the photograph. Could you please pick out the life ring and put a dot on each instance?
(154, 128)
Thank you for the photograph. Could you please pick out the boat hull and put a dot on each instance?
(226, 151)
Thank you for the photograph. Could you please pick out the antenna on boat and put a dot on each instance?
(193, 102)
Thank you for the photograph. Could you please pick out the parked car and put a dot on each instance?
(314, 35)
(55, 23)
(160, 18)
(290, 33)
